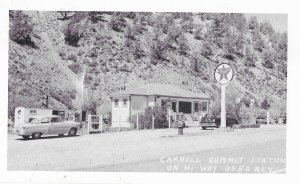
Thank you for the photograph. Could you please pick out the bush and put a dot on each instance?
(75, 67)
(183, 45)
(72, 57)
(268, 59)
(199, 34)
(206, 50)
(62, 54)
(265, 104)
(160, 117)
(158, 50)
(117, 22)
(21, 29)
(266, 28)
(145, 119)
(73, 33)
(125, 68)
(138, 50)
(250, 58)
(94, 16)
(253, 23)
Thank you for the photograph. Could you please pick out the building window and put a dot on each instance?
(196, 107)
(204, 106)
(116, 102)
(55, 112)
(185, 107)
(164, 105)
(125, 101)
(32, 111)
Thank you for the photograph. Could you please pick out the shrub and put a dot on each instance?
(145, 118)
(75, 67)
(93, 53)
(206, 50)
(94, 16)
(125, 68)
(266, 28)
(117, 22)
(198, 33)
(250, 58)
(73, 33)
(265, 104)
(158, 50)
(72, 57)
(21, 29)
(160, 117)
(268, 59)
(253, 23)
(183, 45)
(130, 15)
(64, 14)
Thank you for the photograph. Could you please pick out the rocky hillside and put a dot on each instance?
(79, 58)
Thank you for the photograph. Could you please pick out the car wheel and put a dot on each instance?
(72, 132)
(25, 136)
(36, 135)
(204, 128)
(60, 135)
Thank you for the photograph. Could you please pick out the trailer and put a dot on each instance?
(23, 114)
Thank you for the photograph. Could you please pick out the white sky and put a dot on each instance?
(279, 21)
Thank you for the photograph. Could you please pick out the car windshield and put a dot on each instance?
(33, 121)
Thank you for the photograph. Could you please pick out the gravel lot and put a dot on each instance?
(96, 151)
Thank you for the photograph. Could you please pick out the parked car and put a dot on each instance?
(47, 125)
(214, 121)
(261, 119)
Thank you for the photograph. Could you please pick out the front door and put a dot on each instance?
(174, 106)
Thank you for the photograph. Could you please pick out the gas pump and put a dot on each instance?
(95, 124)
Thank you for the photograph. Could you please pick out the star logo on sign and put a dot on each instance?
(223, 73)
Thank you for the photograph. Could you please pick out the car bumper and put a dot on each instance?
(208, 124)
(21, 132)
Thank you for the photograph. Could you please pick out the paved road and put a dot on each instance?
(154, 150)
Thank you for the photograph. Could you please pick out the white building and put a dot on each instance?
(130, 102)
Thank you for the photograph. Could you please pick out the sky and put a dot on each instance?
(279, 21)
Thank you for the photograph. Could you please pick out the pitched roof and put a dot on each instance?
(161, 90)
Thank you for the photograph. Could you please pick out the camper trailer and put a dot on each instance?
(23, 114)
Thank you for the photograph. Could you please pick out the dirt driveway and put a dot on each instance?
(88, 152)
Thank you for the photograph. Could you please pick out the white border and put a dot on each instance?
(250, 6)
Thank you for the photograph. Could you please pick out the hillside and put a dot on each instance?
(79, 58)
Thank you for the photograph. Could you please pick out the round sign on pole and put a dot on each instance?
(237, 100)
(223, 73)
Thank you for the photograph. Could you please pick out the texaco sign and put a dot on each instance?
(223, 73)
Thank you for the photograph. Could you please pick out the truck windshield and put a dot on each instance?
(33, 121)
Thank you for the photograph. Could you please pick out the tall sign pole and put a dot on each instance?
(223, 75)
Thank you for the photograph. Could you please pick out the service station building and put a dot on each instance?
(177, 100)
